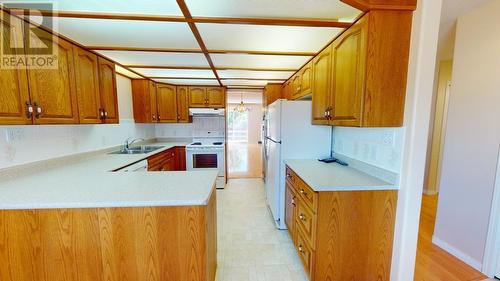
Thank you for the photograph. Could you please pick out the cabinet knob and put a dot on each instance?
(301, 249)
(38, 110)
(302, 217)
(29, 110)
(159, 117)
(302, 191)
(154, 117)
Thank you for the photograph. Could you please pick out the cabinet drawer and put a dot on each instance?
(306, 221)
(305, 253)
(309, 197)
(291, 177)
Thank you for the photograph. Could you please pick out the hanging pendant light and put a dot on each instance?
(241, 108)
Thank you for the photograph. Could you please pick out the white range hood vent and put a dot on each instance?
(206, 111)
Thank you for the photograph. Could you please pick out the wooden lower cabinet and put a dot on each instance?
(110, 244)
(341, 235)
(172, 159)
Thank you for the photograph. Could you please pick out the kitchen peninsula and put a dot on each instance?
(80, 221)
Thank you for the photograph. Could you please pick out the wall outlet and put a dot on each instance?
(388, 139)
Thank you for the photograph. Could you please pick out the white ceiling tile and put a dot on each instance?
(235, 97)
(127, 33)
(266, 37)
(258, 61)
(158, 72)
(126, 72)
(320, 9)
(153, 7)
(189, 82)
(255, 74)
(156, 58)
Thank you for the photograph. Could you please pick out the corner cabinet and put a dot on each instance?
(341, 235)
(212, 97)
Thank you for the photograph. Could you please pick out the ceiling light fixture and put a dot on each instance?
(241, 108)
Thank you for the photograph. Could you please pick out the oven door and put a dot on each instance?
(199, 159)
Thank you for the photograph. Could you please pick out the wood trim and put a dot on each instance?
(182, 78)
(395, 5)
(198, 51)
(203, 78)
(218, 20)
(273, 21)
(255, 79)
(208, 68)
(197, 36)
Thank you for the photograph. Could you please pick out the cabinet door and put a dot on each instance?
(182, 105)
(306, 76)
(321, 87)
(197, 96)
(180, 154)
(109, 98)
(349, 56)
(296, 86)
(216, 97)
(290, 210)
(14, 97)
(153, 101)
(53, 91)
(87, 87)
(169, 162)
(167, 103)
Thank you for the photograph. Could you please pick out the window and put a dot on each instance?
(237, 126)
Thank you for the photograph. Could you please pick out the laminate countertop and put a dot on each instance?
(90, 183)
(335, 177)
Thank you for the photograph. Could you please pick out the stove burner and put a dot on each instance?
(196, 143)
(217, 143)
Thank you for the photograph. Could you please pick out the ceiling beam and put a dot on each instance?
(209, 68)
(197, 36)
(274, 21)
(219, 20)
(198, 51)
(211, 78)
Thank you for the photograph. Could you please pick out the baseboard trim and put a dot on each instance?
(477, 265)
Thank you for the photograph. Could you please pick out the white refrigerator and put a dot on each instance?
(289, 135)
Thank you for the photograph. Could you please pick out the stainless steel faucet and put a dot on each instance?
(128, 143)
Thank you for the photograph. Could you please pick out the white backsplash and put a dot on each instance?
(25, 144)
(380, 147)
(209, 126)
(174, 130)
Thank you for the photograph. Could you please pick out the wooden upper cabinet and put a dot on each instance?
(306, 80)
(167, 103)
(322, 66)
(182, 105)
(295, 92)
(272, 92)
(197, 96)
(87, 87)
(109, 98)
(216, 97)
(14, 97)
(144, 101)
(53, 91)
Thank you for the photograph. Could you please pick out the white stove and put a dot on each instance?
(207, 153)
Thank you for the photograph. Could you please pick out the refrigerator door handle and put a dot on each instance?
(270, 139)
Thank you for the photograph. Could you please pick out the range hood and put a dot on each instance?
(206, 111)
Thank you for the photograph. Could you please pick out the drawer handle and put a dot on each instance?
(301, 250)
(302, 191)
(293, 201)
(302, 217)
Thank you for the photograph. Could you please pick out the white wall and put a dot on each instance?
(24, 144)
(380, 147)
(472, 135)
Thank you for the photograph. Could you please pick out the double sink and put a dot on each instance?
(138, 149)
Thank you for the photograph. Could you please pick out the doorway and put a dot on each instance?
(244, 134)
